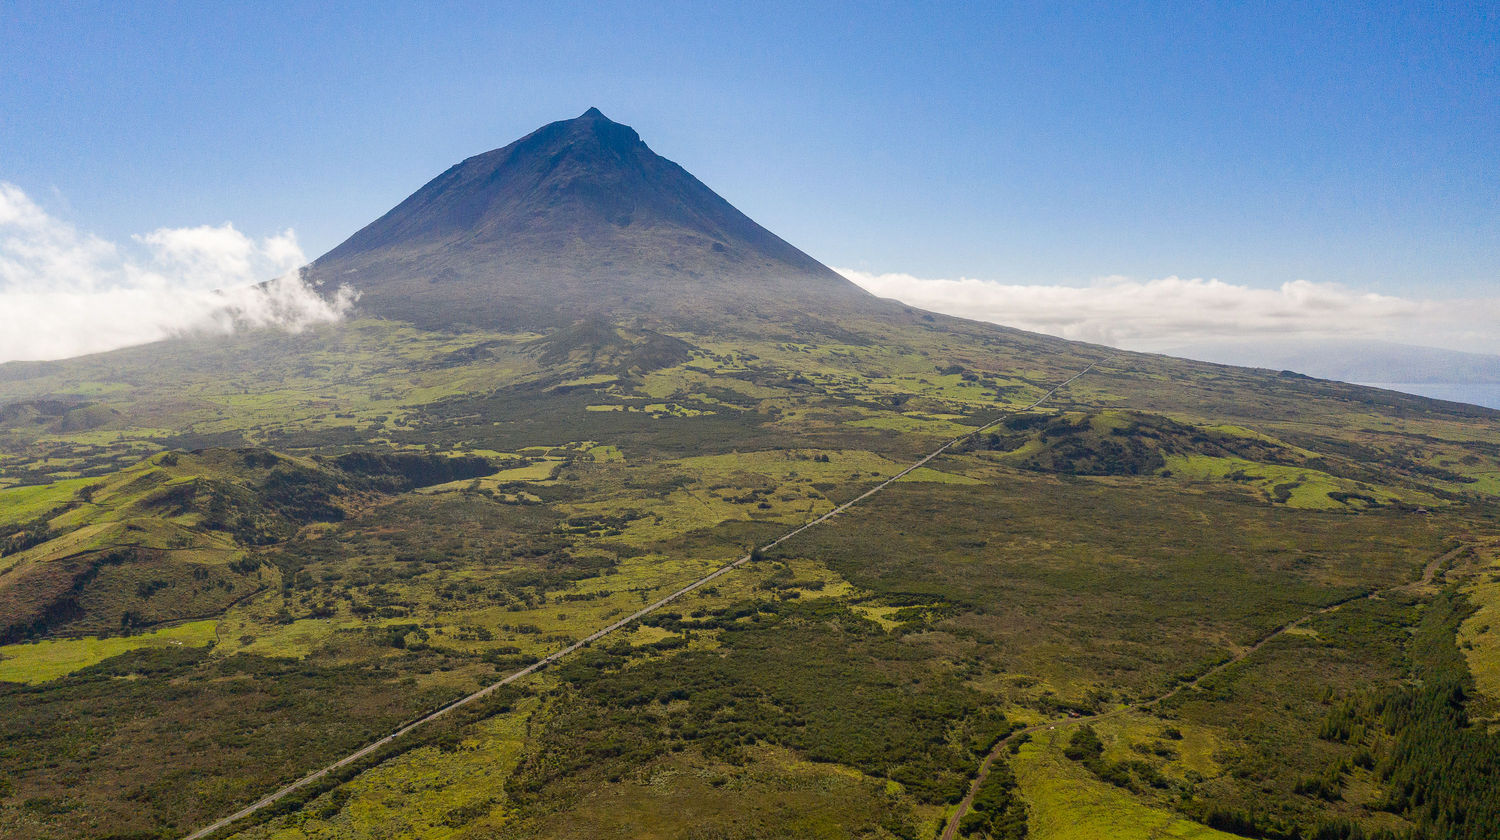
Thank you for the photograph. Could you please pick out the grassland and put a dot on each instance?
(374, 520)
(44, 661)
(1479, 635)
(1066, 802)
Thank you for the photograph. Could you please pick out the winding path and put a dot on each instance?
(368, 749)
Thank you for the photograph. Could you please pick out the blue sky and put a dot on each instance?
(1256, 143)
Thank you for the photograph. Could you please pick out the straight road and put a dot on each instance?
(368, 749)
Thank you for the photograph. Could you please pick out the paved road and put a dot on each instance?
(368, 749)
(950, 831)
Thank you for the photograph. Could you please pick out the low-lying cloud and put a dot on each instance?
(1171, 312)
(65, 292)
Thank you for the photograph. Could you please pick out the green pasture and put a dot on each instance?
(40, 662)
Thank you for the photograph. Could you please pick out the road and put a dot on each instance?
(368, 749)
(950, 831)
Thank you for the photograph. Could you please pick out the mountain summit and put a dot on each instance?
(579, 218)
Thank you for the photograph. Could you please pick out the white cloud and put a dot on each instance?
(64, 292)
(207, 257)
(1173, 311)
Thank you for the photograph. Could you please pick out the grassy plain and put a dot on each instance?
(43, 661)
(377, 520)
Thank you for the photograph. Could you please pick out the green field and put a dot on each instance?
(1066, 802)
(43, 661)
(264, 552)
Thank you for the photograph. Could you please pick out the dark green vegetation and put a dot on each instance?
(1440, 769)
(998, 810)
(224, 564)
(185, 736)
(851, 694)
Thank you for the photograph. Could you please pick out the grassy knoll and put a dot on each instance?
(1066, 802)
(23, 504)
(40, 662)
(1293, 486)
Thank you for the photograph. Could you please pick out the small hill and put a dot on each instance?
(175, 536)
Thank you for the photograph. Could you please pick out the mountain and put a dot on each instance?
(579, 218)
(686, 537)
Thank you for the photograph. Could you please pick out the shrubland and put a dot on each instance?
(347, 528)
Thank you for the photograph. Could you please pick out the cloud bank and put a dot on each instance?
(1171, 312)
(65, 292)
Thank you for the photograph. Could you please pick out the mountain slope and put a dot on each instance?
(577, 218)
(1166, 566)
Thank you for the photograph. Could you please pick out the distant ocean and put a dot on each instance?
(1485, 395)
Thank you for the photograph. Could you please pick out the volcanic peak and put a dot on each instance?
(580, 218)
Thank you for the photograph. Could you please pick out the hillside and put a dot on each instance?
(1168, 599)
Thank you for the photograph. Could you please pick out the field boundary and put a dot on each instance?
(368, 749)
